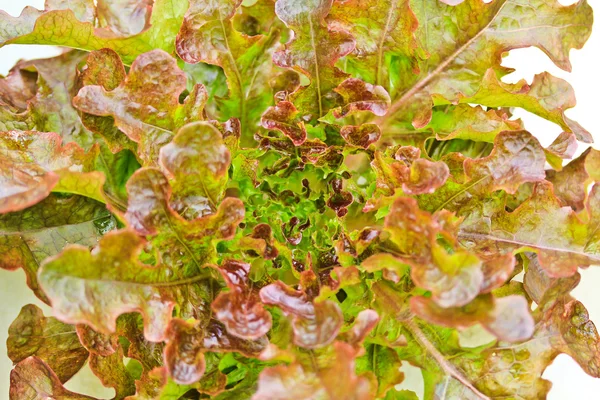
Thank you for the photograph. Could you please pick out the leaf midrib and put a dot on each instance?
(386, 30)
(236, 72)
(316, 61)
(47, 228)
(527, 244)
(395, 106)
(180, 282)
(167, 216)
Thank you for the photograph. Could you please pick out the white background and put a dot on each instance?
(569, 381)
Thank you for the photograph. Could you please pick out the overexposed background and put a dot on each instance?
(569, 381)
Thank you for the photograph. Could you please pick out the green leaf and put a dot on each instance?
(385, 364)
(470, 123)
(547, 97)
(384, 34)
(462, 50)
(29, 236)
(562, 241)
(313, 52)
(208, 35)
(111, 281)
(184, 247)
(63, 27)
(117, 169)
(334, 380)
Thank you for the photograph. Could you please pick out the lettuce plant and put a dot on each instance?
(291, 199)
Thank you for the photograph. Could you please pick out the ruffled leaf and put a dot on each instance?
(110, 281)
(313, 51)
(50, 110)
(187, 343)
(208, 35)
(33, 379)
(240, 309)
(572, 183)
(412, 174)
(562, 326)
(517, 158)
(63, 27)
(507, 318)
(28, 237)
(454, 277)
(104, 68)
(113, 373)
(457, 43)
(514, 161)
(364, 323)
(360, 96)
(336, 380)
(563, 147)
(145, 106)
(391, 201)
(284, 118)
(546, 96)
(541, 224)
(315, 324)
(33, 164)
(55, 343)
(182, 246)
(198, 160)
(361, 136)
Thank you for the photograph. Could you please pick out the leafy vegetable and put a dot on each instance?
(289, 199)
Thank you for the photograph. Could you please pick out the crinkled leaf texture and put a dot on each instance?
(289, 199)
